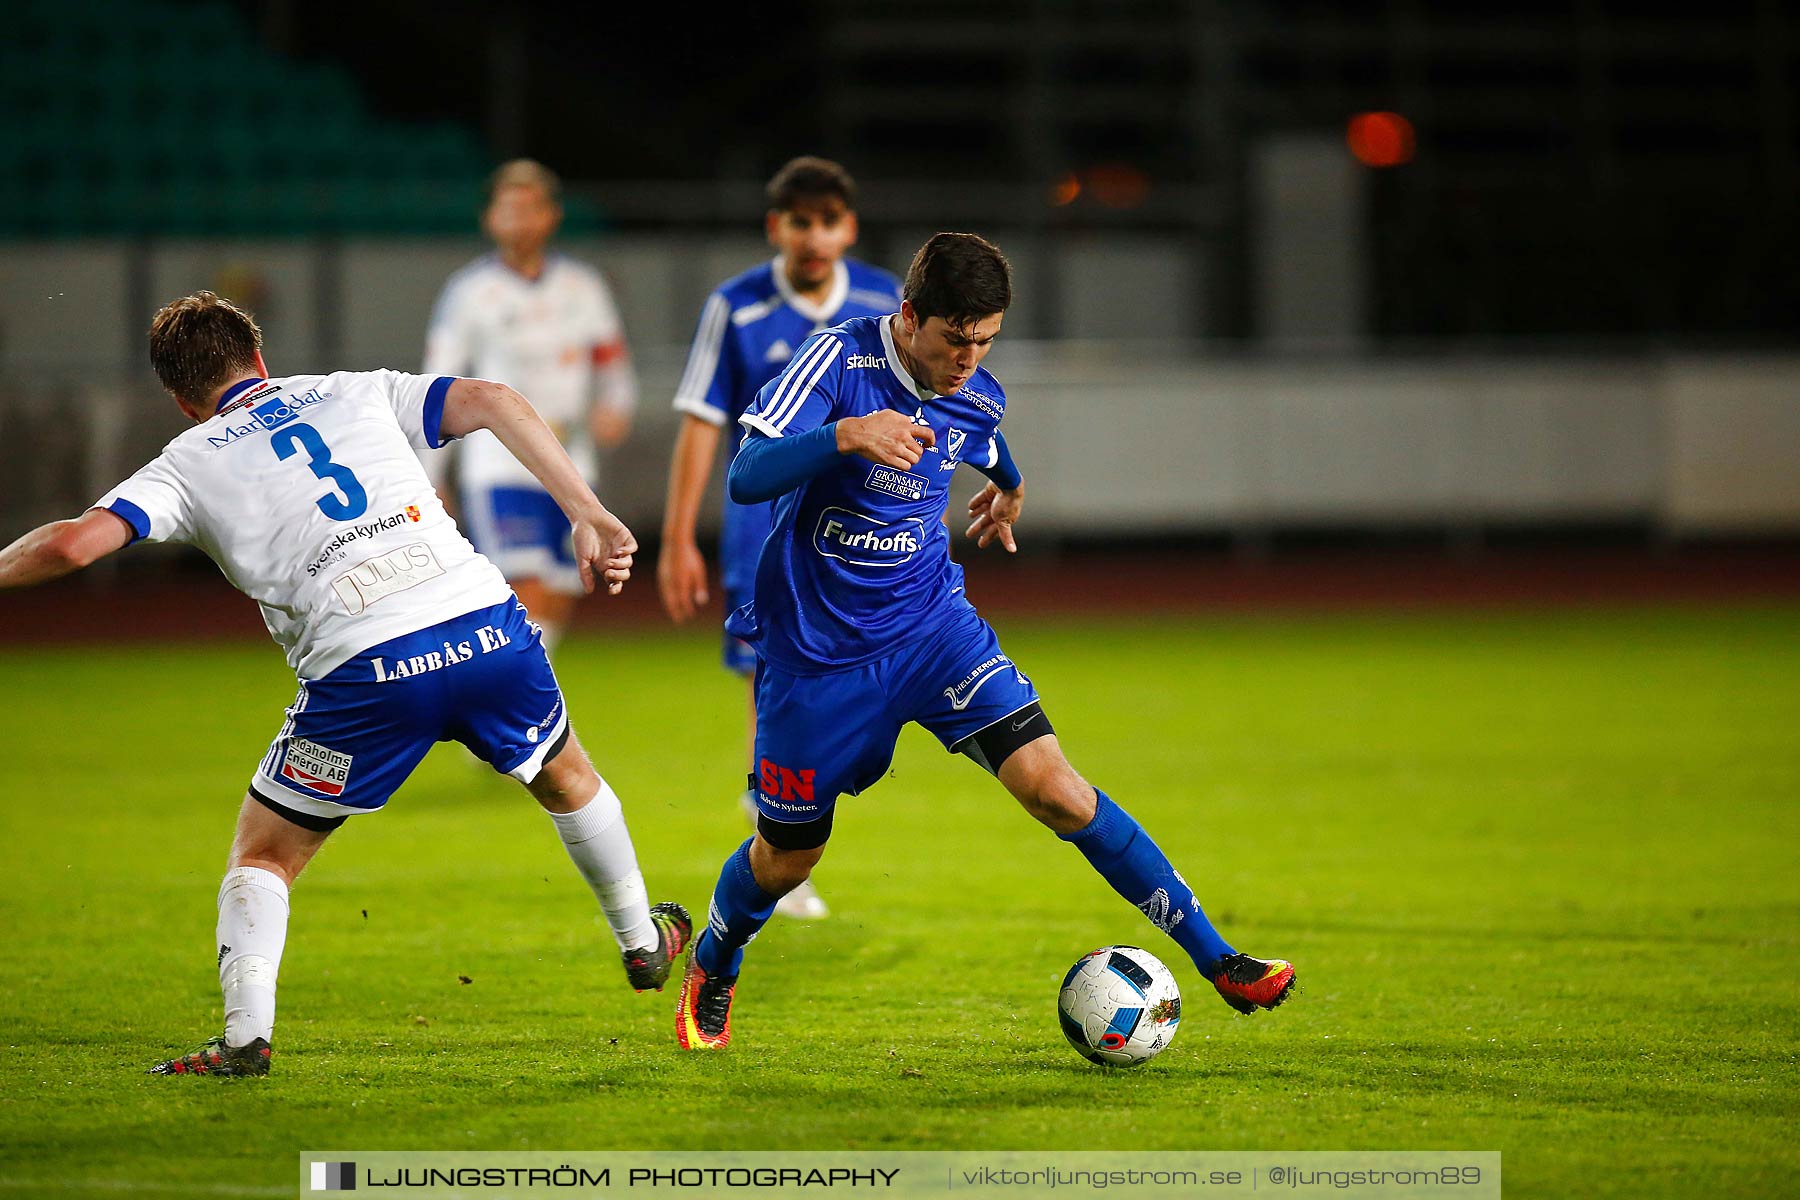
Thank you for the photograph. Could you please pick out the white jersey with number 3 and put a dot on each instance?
(308, 494)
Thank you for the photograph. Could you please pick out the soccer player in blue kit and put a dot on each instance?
(748, 330)
(856, 443)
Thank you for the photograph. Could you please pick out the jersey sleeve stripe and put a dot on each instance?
(784, 411)
(434, 410)
(132, 515)
(699, 408)
(798, 402)
(751, 421)
(790, 377)
(703, 359)
(752, 313)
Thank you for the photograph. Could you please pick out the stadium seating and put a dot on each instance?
(117, 124)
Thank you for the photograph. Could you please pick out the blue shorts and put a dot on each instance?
(351, 738)
(523, 532)
(821, 736)
(745, 529)
(737, 654)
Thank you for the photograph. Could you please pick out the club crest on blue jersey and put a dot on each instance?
(864, 541)
(953, 444)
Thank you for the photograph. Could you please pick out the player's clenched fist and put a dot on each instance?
(886, 437)
(603, 547)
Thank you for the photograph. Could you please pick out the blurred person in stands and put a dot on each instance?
(748, 330)
(307, 491)
(547, 325)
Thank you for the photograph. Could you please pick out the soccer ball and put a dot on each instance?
(1119, 1006)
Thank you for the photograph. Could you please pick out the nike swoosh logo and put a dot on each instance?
(1018, 725)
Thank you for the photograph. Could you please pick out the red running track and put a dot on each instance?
(168, 602)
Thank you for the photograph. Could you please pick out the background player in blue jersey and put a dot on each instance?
(748, 330)
(861, 625)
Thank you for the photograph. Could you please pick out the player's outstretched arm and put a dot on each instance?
(603, 546)
(62, 547)
(681, 568)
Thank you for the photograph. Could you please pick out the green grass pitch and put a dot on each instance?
(1540, 874)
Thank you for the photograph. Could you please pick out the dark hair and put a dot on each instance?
(200, 343)
(808, 178)
(959, 277)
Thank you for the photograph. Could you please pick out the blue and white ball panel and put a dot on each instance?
(351, 738)
(1119, 1006)
(524, 533)
(821, 736)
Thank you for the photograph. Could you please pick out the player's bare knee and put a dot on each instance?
(271, 842)
(779, 871)
(1048, 788)
(1067, 804)
(567, 781)
(1059, 798)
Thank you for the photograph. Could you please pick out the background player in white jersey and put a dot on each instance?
(748, 331)
(308, 494)
(546, 325)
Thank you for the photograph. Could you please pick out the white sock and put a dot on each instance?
(600, 844)
(253, 917)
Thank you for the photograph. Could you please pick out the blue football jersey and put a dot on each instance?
(748, 331)
(858, 559)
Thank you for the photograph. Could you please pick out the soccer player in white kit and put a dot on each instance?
(308, 494)
(547, 325)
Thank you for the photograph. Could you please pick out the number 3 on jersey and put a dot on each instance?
(355, 502)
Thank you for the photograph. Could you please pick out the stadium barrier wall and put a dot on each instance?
(1123, 437)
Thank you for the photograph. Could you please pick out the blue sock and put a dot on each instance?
(739, 909)
(1125, 856)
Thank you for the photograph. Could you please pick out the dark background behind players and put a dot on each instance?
(1384, 273)
(1582, 167)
